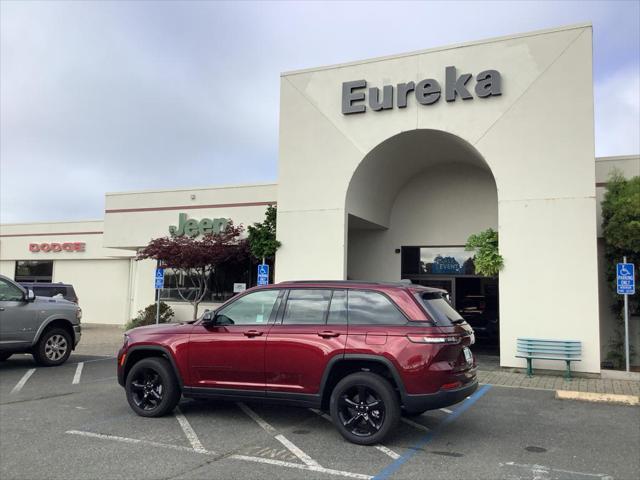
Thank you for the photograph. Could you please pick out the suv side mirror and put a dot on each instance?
(208, 318)
(30, 296)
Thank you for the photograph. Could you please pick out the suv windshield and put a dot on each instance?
(439, 309)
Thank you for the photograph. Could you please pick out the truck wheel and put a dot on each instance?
(152, 388)
(53, 348)
(364, 408)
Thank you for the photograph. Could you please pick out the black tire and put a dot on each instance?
(367, 420)
(151, 387)
(5, 356)
(53, 348)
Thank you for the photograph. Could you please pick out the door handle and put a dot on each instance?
(252, 333)
(1, 309)
(328, 334)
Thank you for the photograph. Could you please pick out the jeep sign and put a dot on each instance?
(426, 92)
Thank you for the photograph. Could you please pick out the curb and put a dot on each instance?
(598, 397)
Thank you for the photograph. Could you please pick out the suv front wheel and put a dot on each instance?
(152, 389)
(364, 408)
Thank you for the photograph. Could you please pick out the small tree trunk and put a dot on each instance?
(195, 310)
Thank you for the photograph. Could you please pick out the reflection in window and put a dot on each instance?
(34, 271)
(306, 306)
(437, 261)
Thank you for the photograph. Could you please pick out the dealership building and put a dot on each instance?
(386, 167)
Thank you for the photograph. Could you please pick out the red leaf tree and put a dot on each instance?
(198, 259)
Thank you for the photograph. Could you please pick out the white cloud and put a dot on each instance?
(617, 113)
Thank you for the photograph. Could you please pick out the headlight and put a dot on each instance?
(79, 313)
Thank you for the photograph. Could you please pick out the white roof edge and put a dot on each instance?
(439, 49)
(187, 189)
(614, 158)
(44, 222)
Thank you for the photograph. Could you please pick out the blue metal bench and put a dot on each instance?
(564, 350)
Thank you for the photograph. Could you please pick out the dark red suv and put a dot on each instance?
(366, 352)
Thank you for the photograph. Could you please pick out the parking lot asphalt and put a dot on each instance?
(73, 422)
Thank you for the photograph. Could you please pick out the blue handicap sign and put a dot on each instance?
(159, 277)
(625, 279)
(263, 274)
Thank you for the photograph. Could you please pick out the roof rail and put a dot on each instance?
(352, 282)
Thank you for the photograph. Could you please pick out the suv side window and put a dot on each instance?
(306, 307)
(9, 292)
(338, 308)
(372, 308)
(253, 309)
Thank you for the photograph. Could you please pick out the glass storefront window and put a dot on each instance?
(437, 261)
(34, 271)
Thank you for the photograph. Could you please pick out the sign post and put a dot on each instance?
(626, 285)
(159, 285)
(263, 274)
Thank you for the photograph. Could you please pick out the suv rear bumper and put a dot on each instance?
(443, 398)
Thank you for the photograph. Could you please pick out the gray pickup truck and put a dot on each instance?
(48, 328)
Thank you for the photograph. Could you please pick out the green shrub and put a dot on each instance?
(487, 260)
(148, 316)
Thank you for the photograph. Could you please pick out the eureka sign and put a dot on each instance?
(192, 228)
(426, 92)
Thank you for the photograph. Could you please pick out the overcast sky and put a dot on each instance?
(115, 96)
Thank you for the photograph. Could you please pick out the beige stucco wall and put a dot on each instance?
(537, 139)
(102, 287)
(132, 219)
(427, 211)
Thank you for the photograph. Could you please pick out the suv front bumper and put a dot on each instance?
(443, 398)
(77, 334)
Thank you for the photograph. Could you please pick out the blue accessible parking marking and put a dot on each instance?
(391, 469)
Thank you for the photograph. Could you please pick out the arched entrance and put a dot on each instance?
(411, 205)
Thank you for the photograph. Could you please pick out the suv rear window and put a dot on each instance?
(50, 291)
(372, 308)
(439, 309)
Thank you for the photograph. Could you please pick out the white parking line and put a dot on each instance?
(257, 419)
(387, 451)
(296, 451)
(22, 381)
(134, 440)
(189, 432)
(415, 424)
(299, 466)
(445, 410)
(302, 467)
(76, 377)
(281, 438)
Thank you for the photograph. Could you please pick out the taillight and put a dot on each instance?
(435, 339)
(451, 386)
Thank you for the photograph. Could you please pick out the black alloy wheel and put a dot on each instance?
(361, 410)
(147, 389)
(364, 408)
(151, 387)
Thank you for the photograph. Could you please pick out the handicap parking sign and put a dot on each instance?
(625, 279)
(263, 274)
(159, 277)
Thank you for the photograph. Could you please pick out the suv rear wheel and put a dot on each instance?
(364, 408)
(53, 348)
(152, 389)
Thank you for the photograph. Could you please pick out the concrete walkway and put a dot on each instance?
(554, 382)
